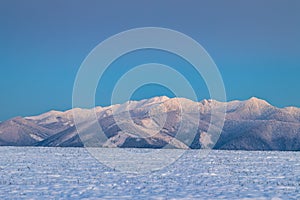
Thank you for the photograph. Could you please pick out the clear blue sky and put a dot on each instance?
(255, 44)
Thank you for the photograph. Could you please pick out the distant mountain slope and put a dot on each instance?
(158, 122)
(19, 131)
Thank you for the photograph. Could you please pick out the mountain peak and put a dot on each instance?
(159, 99)
(256, 101)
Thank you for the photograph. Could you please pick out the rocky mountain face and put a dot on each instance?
(161, 122)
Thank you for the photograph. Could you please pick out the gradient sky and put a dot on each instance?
(255, 44)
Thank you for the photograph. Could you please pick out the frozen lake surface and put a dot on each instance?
(72, 173)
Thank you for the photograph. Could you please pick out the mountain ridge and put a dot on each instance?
(162, 122)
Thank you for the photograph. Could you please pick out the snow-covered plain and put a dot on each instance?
(72, 173)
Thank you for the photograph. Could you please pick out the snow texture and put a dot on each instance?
(71, 173)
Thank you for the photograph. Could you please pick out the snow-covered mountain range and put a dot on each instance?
(253, 124)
